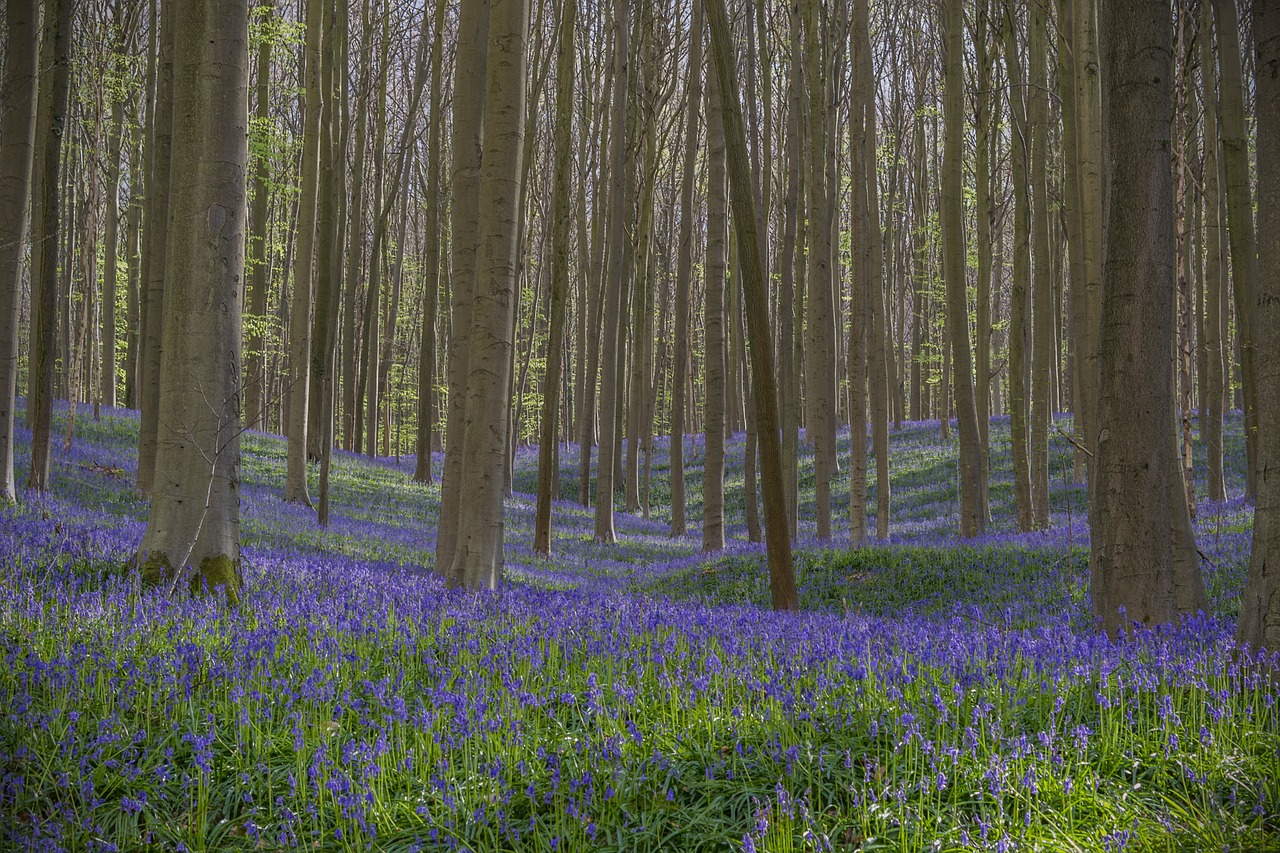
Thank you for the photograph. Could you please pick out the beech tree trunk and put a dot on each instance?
(259, 268)
(17, 144)
(1214, 325)
(1138, 576)
(194, 524)
(715, 379)
(45, 216)
(468, 117)
(478, 562)
(1043, 308)
(561, 214)
(684, 272)
(1260, 607)
(777, 538)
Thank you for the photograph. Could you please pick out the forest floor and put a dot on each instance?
(932, 695)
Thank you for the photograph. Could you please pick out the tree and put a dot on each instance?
(972, 506)
(615, 276)
(1212, 390)
(1260, 606)
(684, 270)
(54, 86)
(468, 120)
(195, 509)
(560, 217)
(479, 558)
(259, 209)
(746, 224)
(1137, 574)
(295, 489)
(17, 142)
(714, 360)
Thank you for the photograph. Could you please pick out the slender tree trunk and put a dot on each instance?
(789, 390)
(351, 429)
(1043, 351)
(561, 214)
(1244, 257)
(1212, 392)
(615, 278)
(1138, 576)
(684, 272)
(1018, 331)
(1260, 607)
(431, 260)
(259, 209)
(195, 510)
(479, 559)
(715, 369)
(155, 243)
(777, 538)
(54, 85)
(111, 255)
(859, 352)
(17, 143)
(972, 517)
(820, 384)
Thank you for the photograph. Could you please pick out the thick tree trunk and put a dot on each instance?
(479, 559)
(1260, 606)
(1139, 576)
(468, 117)
(17, 143)
(561, 214)
(195, 510)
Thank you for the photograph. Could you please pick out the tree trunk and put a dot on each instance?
(1138, 574)
(17, 143)
(56, 56)
(1260, 607)
(1211, 342)
(684, 271)
(111, 255)
(714, 365)
(431, 261)
(561, 213)
(777, 538)
(972, 516)
(1244, 258)
(195, 510)
(479, 559)
(468, 116)
(615, 278)
(788, 262)
(155, 242)
(1043, 351)
(259, 209)
(1018, 344)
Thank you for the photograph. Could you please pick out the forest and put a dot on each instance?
(639, 425)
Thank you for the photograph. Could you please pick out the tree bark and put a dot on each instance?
(1043, 350)
(715, 378)
(479, 560)
(1211, 342)
(746, 225)
(1260, 607)
(684, 271)
(53, 106)
(17, 144)
(1244, 257)
(1138, 574)
(195, 512)
(259, 210)
(468, 121)
(561, 214)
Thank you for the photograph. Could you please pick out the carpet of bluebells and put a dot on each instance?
(932, 696)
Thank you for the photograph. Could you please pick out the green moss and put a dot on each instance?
(156, 569)
(216, 571)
